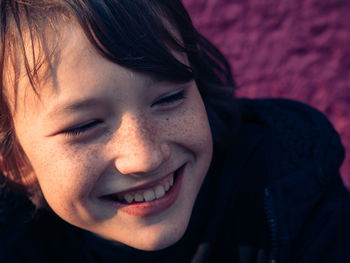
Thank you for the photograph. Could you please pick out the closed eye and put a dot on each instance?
(78, 130)
(170, 98)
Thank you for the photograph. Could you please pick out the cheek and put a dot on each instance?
(65, 175)
(191, 125)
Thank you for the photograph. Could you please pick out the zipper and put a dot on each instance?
(272, 224)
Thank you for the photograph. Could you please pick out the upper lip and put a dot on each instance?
(143, 186)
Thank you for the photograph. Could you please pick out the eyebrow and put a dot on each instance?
(69, 107)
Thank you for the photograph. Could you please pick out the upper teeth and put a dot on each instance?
(156, 192)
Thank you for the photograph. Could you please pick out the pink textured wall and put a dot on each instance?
(296, 49)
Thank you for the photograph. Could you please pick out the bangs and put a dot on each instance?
(140, 35)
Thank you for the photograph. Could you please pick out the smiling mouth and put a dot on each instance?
(150, 199)
(151, 193)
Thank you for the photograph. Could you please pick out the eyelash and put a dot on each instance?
(73, 132)
(81, 129)
(171, 99)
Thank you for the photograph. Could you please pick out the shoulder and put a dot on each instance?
(310, 206)
(302, 133)
(15, 209)
(15, 218)
(27, 235)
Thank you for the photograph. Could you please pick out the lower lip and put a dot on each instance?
(150, 208)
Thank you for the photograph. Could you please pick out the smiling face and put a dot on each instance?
(105, 143)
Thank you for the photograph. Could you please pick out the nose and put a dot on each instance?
(139, 145)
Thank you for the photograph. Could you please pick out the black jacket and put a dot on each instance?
(278, 198)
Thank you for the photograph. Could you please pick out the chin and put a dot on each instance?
(158, 236)
(157, 241)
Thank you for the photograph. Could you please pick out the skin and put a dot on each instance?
(133, 138)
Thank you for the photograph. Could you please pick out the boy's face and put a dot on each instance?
(100, 133)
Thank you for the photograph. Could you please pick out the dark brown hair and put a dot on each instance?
(134, 34)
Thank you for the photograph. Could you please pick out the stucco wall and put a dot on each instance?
(296, 49)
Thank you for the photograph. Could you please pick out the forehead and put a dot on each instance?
(58, 53)
(48, 60)
(31, 61)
